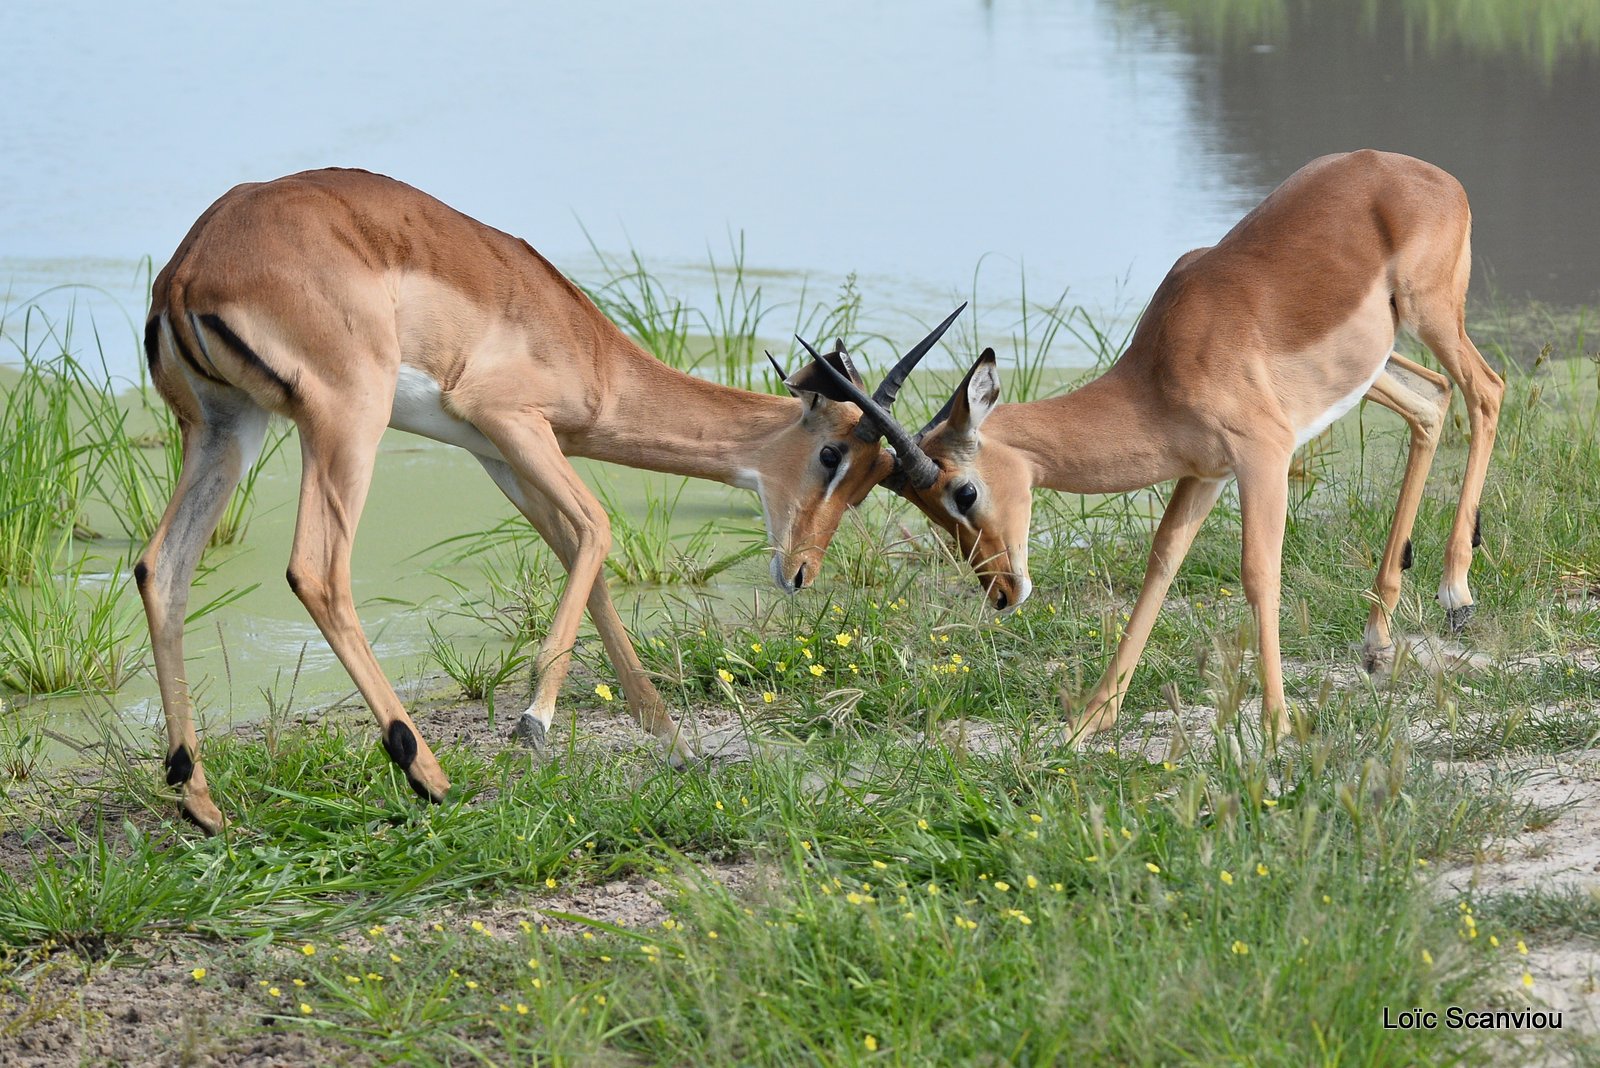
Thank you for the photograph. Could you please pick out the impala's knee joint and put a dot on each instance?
(401, 745)
(180, 766)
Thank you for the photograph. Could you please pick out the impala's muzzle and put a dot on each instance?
(794, 571)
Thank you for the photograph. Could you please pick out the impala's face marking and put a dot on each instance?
(808, 476)
(982, 492)
(831, 458)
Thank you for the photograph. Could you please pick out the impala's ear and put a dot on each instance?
(976, 397)
(810, 378)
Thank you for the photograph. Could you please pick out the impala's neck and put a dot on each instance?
(1106, 437)
(661, 419)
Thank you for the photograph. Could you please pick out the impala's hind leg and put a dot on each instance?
(643, 700)
(1422, 398)
(220, 442)
(1482, 390)
(1438, 314)
(338, 451)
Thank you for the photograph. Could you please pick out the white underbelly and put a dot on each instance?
(1340, 406)
(419, 409)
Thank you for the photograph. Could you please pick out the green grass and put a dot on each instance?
(1546, 33)
(891, 897)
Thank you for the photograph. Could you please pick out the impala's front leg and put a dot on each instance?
(1192, 500)
(1264, 509)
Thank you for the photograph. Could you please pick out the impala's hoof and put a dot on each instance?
(423, 774)
(681, 753)
(203, 814)
(1380, 661)
(530, 732)
(1458, 617)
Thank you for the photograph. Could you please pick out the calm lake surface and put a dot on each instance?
(1092, 141)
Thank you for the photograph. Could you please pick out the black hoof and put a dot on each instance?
(401, 745)
(1378, 661)
(1458, 617)
(529, 732)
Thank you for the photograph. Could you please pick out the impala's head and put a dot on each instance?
(828, 461)
(980, 491)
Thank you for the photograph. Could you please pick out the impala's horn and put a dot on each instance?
(919, 470)
(890, 386)
(783, 376)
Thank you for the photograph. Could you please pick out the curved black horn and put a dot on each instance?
(919, 470)
(783, 376)
(885, 393)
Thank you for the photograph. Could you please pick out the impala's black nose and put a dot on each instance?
(800, 577)
(1000, 602)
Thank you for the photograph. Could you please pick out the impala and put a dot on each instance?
(1248, 350)
(349, 302)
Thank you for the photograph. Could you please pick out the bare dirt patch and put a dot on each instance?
(1563, 856)
(147, 1010)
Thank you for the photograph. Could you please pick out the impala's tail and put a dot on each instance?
(180, 343)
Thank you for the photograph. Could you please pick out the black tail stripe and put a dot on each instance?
(215, 324)
(188, 357)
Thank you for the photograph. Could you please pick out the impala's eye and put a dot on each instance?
(965, 496)
(830, 457)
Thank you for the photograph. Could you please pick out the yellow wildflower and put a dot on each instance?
(199, 974)
(1226, 877)
(871, 1042)
(1240, 948)
(724, 674)
(769, 697)
(816, 669)
(604, 692)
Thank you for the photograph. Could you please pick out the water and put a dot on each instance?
(1092, 141)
